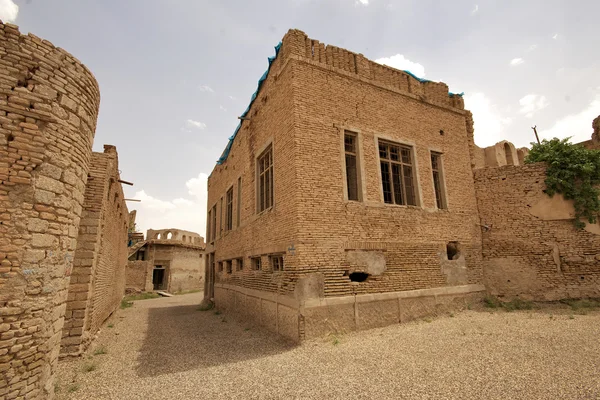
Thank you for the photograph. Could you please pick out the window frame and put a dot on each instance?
(213, 224)
(256, 263)
(276, 262)
(443, 193)
(358, 161)
(239, 264)
(239, 203)
(229, 209)
(414, 171)
(270, 170)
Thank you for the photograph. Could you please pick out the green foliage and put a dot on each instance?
(515, 304)
(572, 171)
(126, 304)
(142, 296)
(491, 302)
(100, 350)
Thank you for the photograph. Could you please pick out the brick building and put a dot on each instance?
(170, 260)
(346, 199)
(97, 280)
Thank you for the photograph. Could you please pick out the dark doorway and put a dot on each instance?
(158, 278)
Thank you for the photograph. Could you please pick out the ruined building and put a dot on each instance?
(63, 223)
(352, 195)
(170, 260)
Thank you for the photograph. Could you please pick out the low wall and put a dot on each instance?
(316, 318)
(138, 275)
(531, 248)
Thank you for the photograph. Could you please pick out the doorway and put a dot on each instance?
(158, 278)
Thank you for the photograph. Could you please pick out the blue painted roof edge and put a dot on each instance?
(225, 154)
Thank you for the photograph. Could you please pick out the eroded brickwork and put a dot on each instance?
(98, 279)
(531, 247)
(48, 109)
(312, 95)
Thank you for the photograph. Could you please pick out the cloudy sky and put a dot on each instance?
(175, 74)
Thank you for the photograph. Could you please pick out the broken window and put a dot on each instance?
(358, 276)
(397, 174)
(508, 154)
(256, 263)
(265, 180)
(239, 201)
(352, 167)
(239, 264)
(141, 255)
(453, 250)
(229, 210)
(228, 267)
(277, 262)
(438, 180)
(220, 266)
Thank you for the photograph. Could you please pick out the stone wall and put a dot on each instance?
(531, 247)
(48, 109)
(175, 234)
(138, 277)
(312, 94)
(98, 279)
(187, 269)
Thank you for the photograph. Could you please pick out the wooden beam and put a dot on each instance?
(125, 182)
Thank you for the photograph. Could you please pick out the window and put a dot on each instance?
(265, 180)
(229, 210)
(239, 264)
(508, 154)
(277, 262)
(213, 224)
(256, 263)
(220, 266)
(239, 202)
(397, 174)
(141, 254)
(438, 180)
(221, 218)
(352, 174)
(228, 268)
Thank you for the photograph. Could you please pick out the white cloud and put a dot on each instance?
(205, 88)
(363, 2)
(181, 213)
(399, 62)
(475, 10)
(233, 98)
(578, 126)
(489, 122)
(555, 36)
(533, 47)
(8, 10)
(190, 123)
(516, 61)
(222, 108)
(531, 104)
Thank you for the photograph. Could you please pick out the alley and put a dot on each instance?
(166, 349)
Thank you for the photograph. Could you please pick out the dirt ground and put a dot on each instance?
(166, 349)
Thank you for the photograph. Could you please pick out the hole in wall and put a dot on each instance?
(453, 250)
(442, 132)
(582, 277)
(10, 137)
(358, 276)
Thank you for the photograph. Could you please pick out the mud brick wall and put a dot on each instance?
(48, 109)
(139, 275)
(312, 94)
(98, 279)
(187, 269)
(532, 248)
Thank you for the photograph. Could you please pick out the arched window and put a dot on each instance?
(158, 236)
(169, 235)
(183, 238)
(508, 154)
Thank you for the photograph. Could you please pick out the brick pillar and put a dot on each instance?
(48, 109)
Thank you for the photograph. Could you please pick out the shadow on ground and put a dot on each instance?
(181, 338)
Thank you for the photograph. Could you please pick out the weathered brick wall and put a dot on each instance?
(532, 248)
(98, 279)
(311, 95)
(272, 123)
(139, 275)
(48, 110)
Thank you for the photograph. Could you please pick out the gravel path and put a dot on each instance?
(165, 349)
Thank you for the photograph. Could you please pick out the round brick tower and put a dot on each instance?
(48, 109)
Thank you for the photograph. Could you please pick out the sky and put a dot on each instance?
(174, 75)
